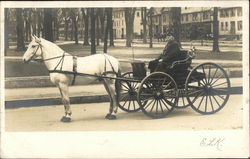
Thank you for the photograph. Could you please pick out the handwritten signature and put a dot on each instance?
(212, 142)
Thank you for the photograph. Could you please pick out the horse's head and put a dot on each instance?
(34, 50)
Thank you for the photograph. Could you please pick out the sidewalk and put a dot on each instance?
(28, 97)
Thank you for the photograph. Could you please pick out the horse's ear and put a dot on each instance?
(38, 40)
(32, 36)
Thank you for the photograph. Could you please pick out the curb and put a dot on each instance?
(74, 100)
(55, 101)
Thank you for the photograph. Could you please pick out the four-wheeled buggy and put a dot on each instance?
(204, 87)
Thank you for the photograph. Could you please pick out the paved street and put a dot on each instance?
(90, 117)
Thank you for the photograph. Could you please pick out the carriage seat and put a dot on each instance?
(184, 61)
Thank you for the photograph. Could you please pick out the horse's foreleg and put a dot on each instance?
(113, 101)
(64, 90)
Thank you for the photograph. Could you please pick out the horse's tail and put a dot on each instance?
(118, 85)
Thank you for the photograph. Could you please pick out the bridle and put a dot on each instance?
(42, 60)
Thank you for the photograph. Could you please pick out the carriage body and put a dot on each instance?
(204, 87)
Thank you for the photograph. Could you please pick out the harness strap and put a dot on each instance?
(74, 69)
(60, 62)
(110, 65)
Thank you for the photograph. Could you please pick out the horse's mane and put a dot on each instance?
(52, 46)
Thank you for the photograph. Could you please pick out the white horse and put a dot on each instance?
(63, 68)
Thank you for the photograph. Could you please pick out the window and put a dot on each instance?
(186, 17)
(138, 14)
(205, 15)
(164, 18)
(222, 26)
(232, 13)
(239, 23)
(222, 13)
(226, 26)
(226, 13)
(239, 11)
(194, 16)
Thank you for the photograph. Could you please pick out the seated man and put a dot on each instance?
(165, 60)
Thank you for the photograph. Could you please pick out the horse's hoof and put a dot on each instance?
(110, 117)
(65, 119)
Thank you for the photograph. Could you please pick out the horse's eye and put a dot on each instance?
(33, 46)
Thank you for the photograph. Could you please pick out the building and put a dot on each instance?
(230, 22)
(161, 21)
(198, 22)
(119, 24)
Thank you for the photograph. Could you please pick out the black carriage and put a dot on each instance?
(204, 87)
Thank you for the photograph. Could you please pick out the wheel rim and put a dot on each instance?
(207, 88)
(128, 96)
(182, 101)
(159, 91)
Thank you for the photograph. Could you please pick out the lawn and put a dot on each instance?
(17, 68)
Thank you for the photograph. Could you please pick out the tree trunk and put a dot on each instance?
(48, 31)
(144, 23)
(39, 23)
(151, 29)
(105, 40)
(74, 18)
(6, 30)
(110, 25)
(215, 31)
(129, 20)
(30, 24)
(175, 22)
(19, 29)
(66, 30)
(76, 30)
(34, 22)
(92, 16)
(102, 20)
(86, 27)
(97, 27)
(72, 31)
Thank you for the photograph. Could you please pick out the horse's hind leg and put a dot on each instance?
(64, 90)
(113, 101)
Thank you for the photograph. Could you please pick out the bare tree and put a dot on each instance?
(110, 25)
(150, 27)
(66, 18)
(102, 20)
(105, 39)
(39, 22)
(97, 26)
(175, 23)
(27, 21)
(144, 23)
(129, 20)
(215, 31)
(19, 29)
(92, 17)
(74, 17)
(48, 18)
(34, 21)
(85, 13)
(6, 30)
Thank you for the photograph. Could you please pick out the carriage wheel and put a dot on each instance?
(159, 91)
(128, 97)
(182, 101)
(207, 88)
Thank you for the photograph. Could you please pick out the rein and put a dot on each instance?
(60, 62)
